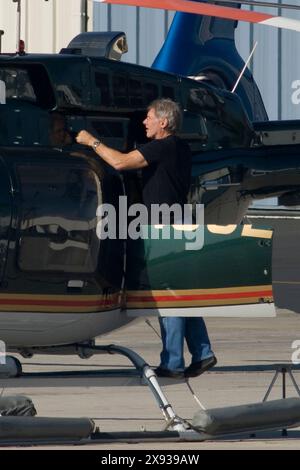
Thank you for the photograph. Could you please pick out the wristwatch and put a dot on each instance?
(95, 144)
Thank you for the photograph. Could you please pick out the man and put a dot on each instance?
(166, 160)
(166, 165)
(59, 135)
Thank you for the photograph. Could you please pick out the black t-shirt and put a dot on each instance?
(167, 177)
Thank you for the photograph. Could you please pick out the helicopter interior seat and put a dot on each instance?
(23, 123)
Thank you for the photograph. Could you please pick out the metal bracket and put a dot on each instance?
(283, 369)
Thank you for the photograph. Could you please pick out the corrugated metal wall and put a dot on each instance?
(276, 63)
(145, 28)
(46, 26)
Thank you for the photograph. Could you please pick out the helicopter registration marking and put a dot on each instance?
(247, 230)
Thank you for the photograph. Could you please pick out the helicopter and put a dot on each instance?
(61, 286)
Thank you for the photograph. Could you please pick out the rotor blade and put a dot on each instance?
(209, 9)
(258, 3)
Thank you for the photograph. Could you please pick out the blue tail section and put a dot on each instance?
(204, 47)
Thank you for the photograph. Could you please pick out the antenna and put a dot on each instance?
(1, 34)
(244, 68)
(18, 23)
(20, 47)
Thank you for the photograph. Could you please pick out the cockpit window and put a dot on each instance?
(17, 84)
(28, 84)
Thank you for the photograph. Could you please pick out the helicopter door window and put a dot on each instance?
(113, 131)
(72, 84)
(58, 219)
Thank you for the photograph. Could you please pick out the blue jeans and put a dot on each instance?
(173, 332)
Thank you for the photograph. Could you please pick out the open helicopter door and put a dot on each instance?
(229, 274)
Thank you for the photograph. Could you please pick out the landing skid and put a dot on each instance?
(172, 420)
(13, 368)
(213, 424)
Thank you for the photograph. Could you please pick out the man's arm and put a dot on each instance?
(118, 160)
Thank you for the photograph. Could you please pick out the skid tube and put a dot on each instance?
(173, 421)
(214, 424)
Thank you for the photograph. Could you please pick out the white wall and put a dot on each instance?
(47, 26)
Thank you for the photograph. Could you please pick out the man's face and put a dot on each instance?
(59, 134)
(155, 127)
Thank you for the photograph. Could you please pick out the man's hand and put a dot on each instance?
(85, 138)
(120, 161)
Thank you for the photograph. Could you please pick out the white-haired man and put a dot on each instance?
(166, 171)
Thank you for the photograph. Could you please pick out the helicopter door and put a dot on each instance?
(5, 215)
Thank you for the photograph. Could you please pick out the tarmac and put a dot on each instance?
(106, 389)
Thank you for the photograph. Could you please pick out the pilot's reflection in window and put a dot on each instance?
(59, 136)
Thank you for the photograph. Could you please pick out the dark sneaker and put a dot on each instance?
(197, 368)
(171, 374)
